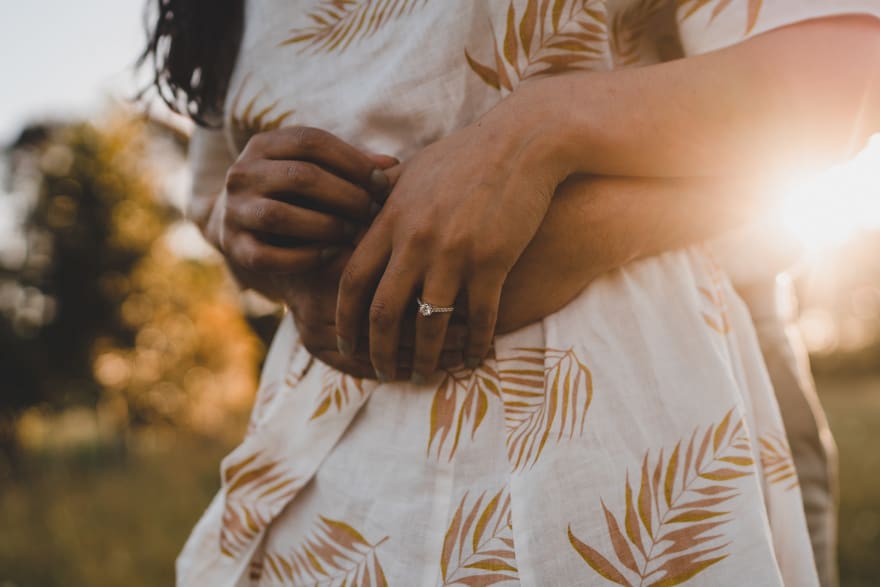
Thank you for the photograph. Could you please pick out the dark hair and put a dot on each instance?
(191, 47)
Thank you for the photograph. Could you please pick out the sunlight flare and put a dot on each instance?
(832, 207)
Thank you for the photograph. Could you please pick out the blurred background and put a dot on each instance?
(128, 360)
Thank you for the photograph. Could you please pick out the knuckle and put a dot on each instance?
(306, 137)
(421, 237)
(482, 319)
(252, 257)
(237, 177)
(265, 215)
(381, 316)
(300, 174)
(456, 246)
(431, 334)
(349, 280)
(254, 261)
(331, 225)
(258, 142)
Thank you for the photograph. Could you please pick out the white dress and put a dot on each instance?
(631, 438)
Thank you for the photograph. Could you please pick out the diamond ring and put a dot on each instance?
(426, 309)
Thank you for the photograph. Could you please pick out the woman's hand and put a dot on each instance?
(312, 302)
(455, 223)
(290, 200)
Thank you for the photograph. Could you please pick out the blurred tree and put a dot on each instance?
(98, 310)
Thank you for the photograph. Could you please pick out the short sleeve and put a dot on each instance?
(707, 25)
(209, 159)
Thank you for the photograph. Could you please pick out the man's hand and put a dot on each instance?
(312, 302)
(293, 197)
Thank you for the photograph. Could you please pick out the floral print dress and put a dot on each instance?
(631, 438)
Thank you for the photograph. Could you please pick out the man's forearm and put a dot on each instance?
(793, 98)
(621, 219)
(596, 225)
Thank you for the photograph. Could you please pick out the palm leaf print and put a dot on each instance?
(265, 395)
(753, 10)
(717, 317)
(671, 526)
(269, 390)
(542, 390)
(337, 392)
(549, 37)
(336, 555)
(460, 404)
(249, 119)
(336, 24)
(628, 28)
(478, 549)
(256, 490)
(776, 461)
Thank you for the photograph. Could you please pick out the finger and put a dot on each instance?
(251, 254)
(447, 360)
(381, 161)
(484, 296)
(455, 340)
(456, 337)
(357, 285)
(321, 147)
(440, 289)
(326, 191)
(393, 297)
(451, 359)
(269, 216)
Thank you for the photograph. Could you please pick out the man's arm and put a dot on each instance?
(596, 225)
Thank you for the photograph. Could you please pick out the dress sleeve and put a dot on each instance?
(707, 25)
(209, 159)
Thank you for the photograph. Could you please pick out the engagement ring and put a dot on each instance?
(426, 309)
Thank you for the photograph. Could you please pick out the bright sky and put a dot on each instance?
(60, 57)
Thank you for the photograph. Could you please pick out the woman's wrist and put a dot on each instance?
(545, 127)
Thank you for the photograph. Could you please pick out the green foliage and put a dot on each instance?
(115, 320)
(93, 216)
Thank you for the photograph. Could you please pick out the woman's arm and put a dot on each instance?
(466, 206)
(799, 96)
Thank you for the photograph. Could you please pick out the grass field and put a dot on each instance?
(93, 520)
(853, 408)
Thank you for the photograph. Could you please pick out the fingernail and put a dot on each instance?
(382, 377)
(472, 362)
(418, 379)
(374, 209)
(379, 181)
(330, 252)
(345, 348)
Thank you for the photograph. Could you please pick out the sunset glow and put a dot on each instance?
(832, 207)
